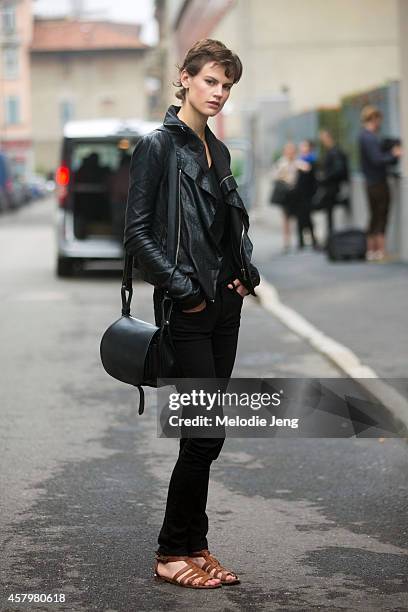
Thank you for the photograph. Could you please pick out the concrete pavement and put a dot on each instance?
(362, 305)
(357, 309)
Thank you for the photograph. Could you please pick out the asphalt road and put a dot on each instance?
(308, 524)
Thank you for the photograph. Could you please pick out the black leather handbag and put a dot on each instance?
(280, 193)
(134, 351)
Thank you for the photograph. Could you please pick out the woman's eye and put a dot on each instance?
(211, 82)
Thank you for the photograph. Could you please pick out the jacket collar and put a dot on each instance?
(195, 163)
(195, 144)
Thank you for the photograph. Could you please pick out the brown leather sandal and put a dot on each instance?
(187, 574)
(213, 567)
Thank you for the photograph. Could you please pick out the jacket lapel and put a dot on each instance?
(193, 161)
(228, 184)
(192, 164)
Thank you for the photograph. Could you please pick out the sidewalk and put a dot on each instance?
(361, 305)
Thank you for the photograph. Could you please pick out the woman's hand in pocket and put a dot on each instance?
(197, 308)
(237, 286)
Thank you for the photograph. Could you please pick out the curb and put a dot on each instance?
(339, 354)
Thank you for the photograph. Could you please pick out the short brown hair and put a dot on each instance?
(208, 50)
(370, 112)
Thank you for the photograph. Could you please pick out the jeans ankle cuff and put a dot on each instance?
(176, 552)
(197, 547)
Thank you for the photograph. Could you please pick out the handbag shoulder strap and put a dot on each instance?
(173, 226)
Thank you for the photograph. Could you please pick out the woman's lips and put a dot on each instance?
(215, 104)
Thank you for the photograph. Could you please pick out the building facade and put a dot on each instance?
(15, 90)
(83, 70)
(298, 57)
(308, 53)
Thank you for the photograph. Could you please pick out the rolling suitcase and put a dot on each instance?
(347, 245)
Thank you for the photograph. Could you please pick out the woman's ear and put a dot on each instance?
(185, 79)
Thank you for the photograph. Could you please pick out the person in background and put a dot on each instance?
(4, 180)
(334, 173)
(307, 151)
(374, 162)
(286, 170)
(304, 191)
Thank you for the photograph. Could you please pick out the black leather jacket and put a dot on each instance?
(194, 278)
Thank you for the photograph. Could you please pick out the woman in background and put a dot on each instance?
(285, 173)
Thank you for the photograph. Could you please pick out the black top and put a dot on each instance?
(335, 167)
(221, 231)
(306, 183)
(373, 160)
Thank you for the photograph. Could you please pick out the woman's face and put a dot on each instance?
(304, 148)
(289, 151)
(209, 85)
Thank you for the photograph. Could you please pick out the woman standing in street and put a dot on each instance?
(211, 276)
(285, 173)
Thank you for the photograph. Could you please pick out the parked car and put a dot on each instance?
(37, 186)
(92, 184)
(15, 190)
(18, 192)
(5, 185)
(50, 186)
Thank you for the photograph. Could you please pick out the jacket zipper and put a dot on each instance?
(179, 214)
(244, 274)
(225, 178)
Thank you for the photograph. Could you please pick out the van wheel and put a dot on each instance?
(65, 267)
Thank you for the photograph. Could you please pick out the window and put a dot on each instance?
(12, 110)
(107, 155)
(66, 111)
(8, 19)
(10, 62)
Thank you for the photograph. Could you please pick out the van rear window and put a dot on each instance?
(104, 156)
(99, 187)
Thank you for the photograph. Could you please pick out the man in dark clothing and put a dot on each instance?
(305, 189)
(334, 173)
(374, 162)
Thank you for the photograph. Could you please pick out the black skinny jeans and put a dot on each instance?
(304, 221)
(206, 344)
